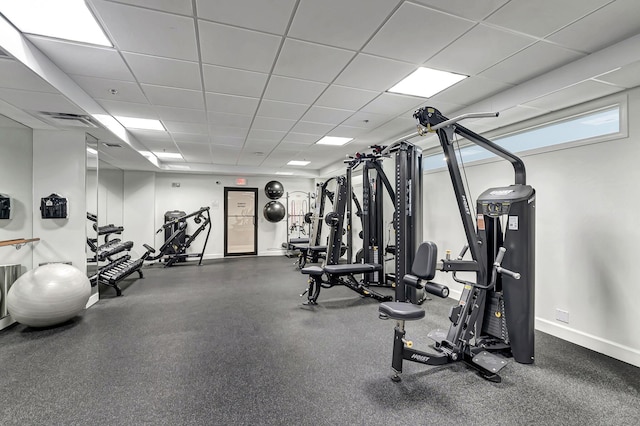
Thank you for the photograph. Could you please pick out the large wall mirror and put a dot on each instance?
(91, 190)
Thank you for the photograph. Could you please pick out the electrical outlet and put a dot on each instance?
(562, 316)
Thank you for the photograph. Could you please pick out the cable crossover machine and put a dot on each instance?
(495, 313)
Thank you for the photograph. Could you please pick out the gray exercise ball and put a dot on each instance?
(48, 295)
(274, 211)
(274, 190)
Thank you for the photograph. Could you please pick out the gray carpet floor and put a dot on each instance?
(229, 343)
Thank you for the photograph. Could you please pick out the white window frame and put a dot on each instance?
(617, 100)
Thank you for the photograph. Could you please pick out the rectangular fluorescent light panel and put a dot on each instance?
(168, 155)
(333, 140)
(298, 163)
(426, 82)
(140, 123)
(63, 19)
(179, 167)
(284, 173)
(92, 151)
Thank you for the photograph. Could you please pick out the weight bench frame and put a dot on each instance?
(342, 274)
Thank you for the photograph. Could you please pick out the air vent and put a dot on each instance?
(111, 145)
(68, 120)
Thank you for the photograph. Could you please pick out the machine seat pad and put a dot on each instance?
(401, 311)
(299, 241)
(351, 268)
(300, 246)
(320, 249)
(312, 270)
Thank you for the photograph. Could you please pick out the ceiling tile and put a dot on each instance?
(39, 101)
(232, 132)
(530, 62)
(226, 141)
(627, 76)
(195, 152)
(573, 95)
(430, 32)
(367, 120)
(311, 61)
(225, 154)
(267, 135)
(158, 136)
(182, 7)
(320, 129)
(300, 138)
(394, 129)
(249, 159)
(277, 109)
(392, 104)
(229, 120)
(470, 90)
(236, 47)
(128, 109)
(469, 54)
(325, 115)
(217, 102)
(82, 59)
(181, 114)
(196, 128)
(164, 72)
(233, 82)
(190, 138)
(374, 73)
(475, 10)
(259, 145)
(100, 88)
(134, 29)
(278, 124)
(15, 75)
(271, 16)
(581, 36)
(542, 17)
(293, 90)
(348, 131)
(345, 97)
(169, 96)
(340, 23)
(159, 146)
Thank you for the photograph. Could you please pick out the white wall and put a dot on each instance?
(587, 236)
(147, 196)
(16, 164)
(59, 159)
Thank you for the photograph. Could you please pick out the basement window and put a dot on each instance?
(605, 123)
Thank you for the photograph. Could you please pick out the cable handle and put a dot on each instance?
(499, 269)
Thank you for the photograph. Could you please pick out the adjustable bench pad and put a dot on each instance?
(352, 268)
(299, 241)
(312, 270)
(321, 249)
(401, 311)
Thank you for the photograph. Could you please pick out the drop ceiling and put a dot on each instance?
(244, 86)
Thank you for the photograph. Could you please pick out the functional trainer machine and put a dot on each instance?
(495, 314)
(339, 274)
(178, 241)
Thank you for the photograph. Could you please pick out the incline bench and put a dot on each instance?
(342, 274)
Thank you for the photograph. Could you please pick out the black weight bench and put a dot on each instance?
(341, 274)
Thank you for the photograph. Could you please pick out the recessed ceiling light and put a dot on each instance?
(168, 155)
(92, 151)
(64, 19)
(140, 123)
(333, 140)
(284, 173)
(298, 163)
(426, 82)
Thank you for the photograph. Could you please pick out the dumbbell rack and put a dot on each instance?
(118, 268)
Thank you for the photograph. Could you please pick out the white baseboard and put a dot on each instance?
(589, 341)
(6, 321)
(93, 300)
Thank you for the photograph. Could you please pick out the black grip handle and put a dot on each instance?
(437, 289)
(149, 248)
